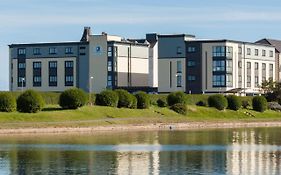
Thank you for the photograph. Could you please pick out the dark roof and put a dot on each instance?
(227, 40)
(127, 42)
(273, 42)
(46, 44)
(175, 35)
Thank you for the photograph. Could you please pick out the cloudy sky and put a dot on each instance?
(29, 21)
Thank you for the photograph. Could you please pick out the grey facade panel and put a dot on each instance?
(83, 67)
(171, 47)
(194, 86)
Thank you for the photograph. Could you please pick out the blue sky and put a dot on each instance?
(28, 21)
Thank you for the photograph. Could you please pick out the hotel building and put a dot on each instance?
(95, 63)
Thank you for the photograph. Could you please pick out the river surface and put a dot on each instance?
(215, 151)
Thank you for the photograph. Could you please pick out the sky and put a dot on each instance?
(30, 21)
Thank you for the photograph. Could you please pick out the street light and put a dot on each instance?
(90, 90)
(22, 80)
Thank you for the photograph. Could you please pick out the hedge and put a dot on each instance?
(234, 102)
(143, 100)
(125, 98)
(176, 97)
(218, 101)
(259, 103)
(7, 102)
(107, 98)
(179, 108)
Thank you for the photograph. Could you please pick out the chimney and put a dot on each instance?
(87, 32)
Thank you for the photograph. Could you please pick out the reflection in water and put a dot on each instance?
(232, 151)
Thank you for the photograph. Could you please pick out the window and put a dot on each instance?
(248, 81)
(179, 50)
(191, 49)
(52, 64)
(36, 65)
(52, 50)
(53, 78)
(256, 66)
(263, 53)
(36, 51)
(179, 67)
(240, 78)
(82, 48)
(37, 79)
(229, 80)
(191, 63)
(239, 64)
(191, 78)
(256, 81)
(270, 70)
(109, 66)
(263, 66)
(229, 65)
(21, 79)
(69, 78)
(109, 80)
(179, 77)
(248, 51)
(109, 52)
(21, 65)
(218, 51)
(21, 51)
(271, 53)
(229, 52)
(239, 50)
(69, 64)
(248, 65)
(218, 80)
(68, 50)
(218, 65)
(256, 52)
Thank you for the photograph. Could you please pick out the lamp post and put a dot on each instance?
(90, 90)
(22, 80)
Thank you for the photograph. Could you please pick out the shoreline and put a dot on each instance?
(142, 127)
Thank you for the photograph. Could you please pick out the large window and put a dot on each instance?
(109, 51)
(69, 64)
(109, 80)
(270, 70)
(218, 80)
(248, 51)
(263, 53)
(191, 49)
(52, 50)
(256, 52)
(229, 52)
(21, 65)
(191, 78)
(68, 50)
(271, 53)
(179, 67)
(21, 51)
(256, 81)
(36, 65)
(256, 66)
(179, 83)
(218, 65)
(248, 81)
(191, 63)
(229, 80)
(36, 51)
(109, 66)
(53, 79)
(229, 65)
(218, 51)
(52, 64)
(69, 78)
(179, 50)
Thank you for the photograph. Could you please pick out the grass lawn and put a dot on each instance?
(53, 116)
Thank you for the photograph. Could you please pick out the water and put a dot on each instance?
(217, 151)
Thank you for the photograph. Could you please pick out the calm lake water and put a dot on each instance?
(217, 151)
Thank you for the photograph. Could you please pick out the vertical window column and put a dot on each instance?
(37, 78)
(53, 73)
(21, 73)
(69, 72)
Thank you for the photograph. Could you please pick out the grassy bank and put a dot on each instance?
(53, 116)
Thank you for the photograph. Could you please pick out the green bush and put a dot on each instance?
(30, 102)
(245, 104)
(201, 103)
(134, 102)
(176, 97)
(7, 102)
(72, 98)
(234, 102)
(161, 103)
(143, 100)
(259, 103)
(107, 98)
(125, 98)
(179, 108)
(218, 101)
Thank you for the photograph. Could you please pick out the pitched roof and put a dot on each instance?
(273, 42)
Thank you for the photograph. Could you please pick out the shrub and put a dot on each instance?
(161, 103)
(234, 102)
(259, 103)
(30, 102)
(125, 98)
(134, 102)
(218, 101)
(72, 98)
(176, 97)
(179, 108)
(245, 104)
(143, 101)
(107, 98)
(274, 106)
(201, 103)
(7, 102)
